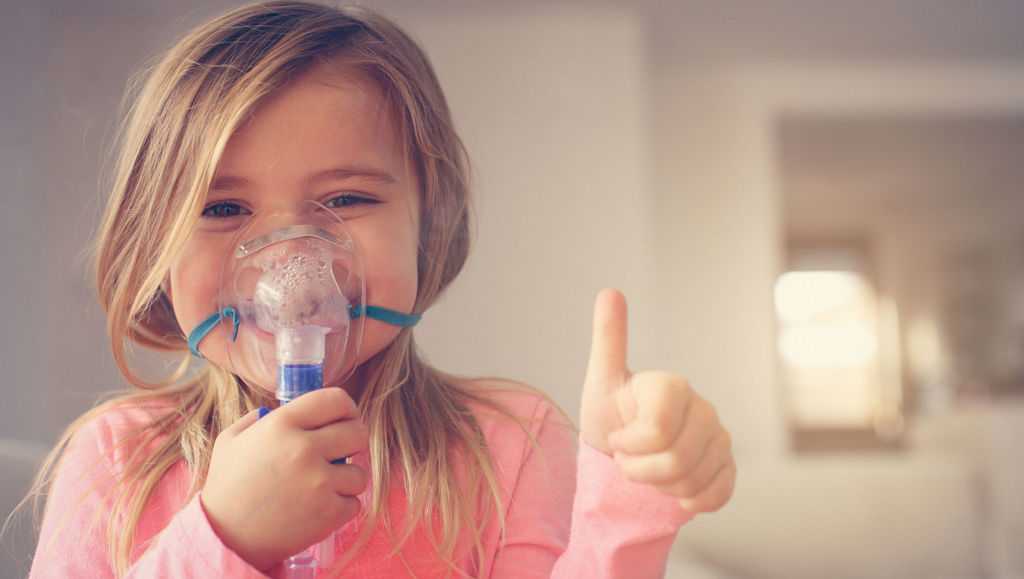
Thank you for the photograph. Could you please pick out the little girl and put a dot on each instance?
(311, 130)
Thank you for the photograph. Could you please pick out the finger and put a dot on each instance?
(661, 403)
(607, 364)
(337, 511)
(716, 494)
(717, 454)
(340, 439)
(348, 480)
(337, 493)
(317, 409)
(663, 468)
(685, 453)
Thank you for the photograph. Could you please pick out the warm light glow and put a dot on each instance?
(802, 295)
(815, 346)
(828, 345)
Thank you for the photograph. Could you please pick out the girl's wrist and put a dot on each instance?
(235, 543)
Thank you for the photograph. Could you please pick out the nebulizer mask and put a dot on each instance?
(292, 300)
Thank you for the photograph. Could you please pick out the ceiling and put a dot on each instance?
(798, 29)
(710, 30)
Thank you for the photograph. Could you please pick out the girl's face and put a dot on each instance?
(327, 138)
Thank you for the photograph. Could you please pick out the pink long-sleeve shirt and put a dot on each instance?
(567, 514)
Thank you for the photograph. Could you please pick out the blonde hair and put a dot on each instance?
(181, 120)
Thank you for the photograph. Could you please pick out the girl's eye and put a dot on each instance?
(346, 200)
(224, 210)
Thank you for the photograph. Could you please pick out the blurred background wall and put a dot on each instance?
(689, 153)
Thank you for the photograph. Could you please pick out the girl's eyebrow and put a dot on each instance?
(228, 183)
(231, 182)
(347, 172)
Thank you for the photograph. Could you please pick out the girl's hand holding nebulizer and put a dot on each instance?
(272, 489)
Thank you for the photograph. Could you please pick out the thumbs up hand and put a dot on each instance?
(658, 429)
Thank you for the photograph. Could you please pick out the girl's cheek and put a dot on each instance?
(194, 285)
(391, 269)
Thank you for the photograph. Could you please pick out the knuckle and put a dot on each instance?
(711, 411)
(336, 397)
(677, 464)
(320, 484)
(222, 440)
(682, 383)
(727, 440)
(678, 384)
(297, 449)
(684, 488)
(657, 439)
(362, 433)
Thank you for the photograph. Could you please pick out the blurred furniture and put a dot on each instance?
(951, 506)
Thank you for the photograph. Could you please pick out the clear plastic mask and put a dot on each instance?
(294, 276)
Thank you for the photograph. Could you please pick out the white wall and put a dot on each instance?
(720, 246)
(552, 105)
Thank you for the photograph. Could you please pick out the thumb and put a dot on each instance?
(240, 425)
(607, 366)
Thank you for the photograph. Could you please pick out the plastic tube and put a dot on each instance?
(302, 566)
(300, 358)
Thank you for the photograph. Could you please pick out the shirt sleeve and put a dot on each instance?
(189, 547)
(576, 515)
(619, 528)
(73, 536)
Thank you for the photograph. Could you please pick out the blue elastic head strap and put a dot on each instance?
(377, 313)
(208, 324)
(384, 315)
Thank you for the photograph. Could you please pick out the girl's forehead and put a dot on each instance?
(347, 81)
(329, 116)
(328, 98)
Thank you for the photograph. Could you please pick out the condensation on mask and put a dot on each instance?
(293, 275)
